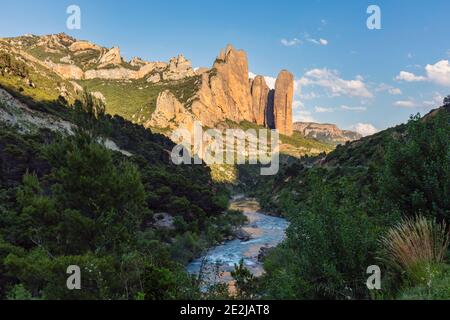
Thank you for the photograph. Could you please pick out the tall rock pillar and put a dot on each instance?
(284, 93)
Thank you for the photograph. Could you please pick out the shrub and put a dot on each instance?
(415, 245)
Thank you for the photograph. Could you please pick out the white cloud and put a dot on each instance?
(304, 37)
(364, 129)
(395, 91)
(323, 109)
(336, 86)
(270, 81)
(409, 77)
(438, 73)
(436, 100)
(406, 104)
(303, 116)
(309, 95)
(321, 42)
(291, 43)
(297, 104)
(390, 89)
(344, 107)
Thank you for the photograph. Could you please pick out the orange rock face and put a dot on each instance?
(284, 92)
(260, 99)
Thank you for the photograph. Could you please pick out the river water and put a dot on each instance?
(266, 231)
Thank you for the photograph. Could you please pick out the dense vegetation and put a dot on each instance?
(68, 200)
(340, 210)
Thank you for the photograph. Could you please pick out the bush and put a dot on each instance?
(414, 246)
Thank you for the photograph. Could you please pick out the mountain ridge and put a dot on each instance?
(223, 92)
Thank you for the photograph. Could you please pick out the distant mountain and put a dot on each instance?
(328, 133)
(156, 94)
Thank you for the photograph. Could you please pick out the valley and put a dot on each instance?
(87, 178)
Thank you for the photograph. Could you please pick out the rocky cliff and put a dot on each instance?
(328, 133)
(215, 95)
(226, 93)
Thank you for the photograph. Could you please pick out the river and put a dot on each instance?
(266, 231)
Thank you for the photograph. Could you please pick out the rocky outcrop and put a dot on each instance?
(284, 93)
(111, 57)
(328, 133)
(260, 99)
(230, 84)
(66, 71)
(225, 92)
(83, 46)
(170, 113)
(120, 73)
(178, 69)
(137, 62)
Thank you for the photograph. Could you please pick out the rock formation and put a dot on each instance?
(170, 113)
(230, 84)
(284, 92)
(223, 92)
(111, 57)
(66, 71)
(328, 133)
(178, 68)
(83, 46)
(226, 93)
(260, 99)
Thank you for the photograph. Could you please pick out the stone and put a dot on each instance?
(154, 78)
(170, 113)
(66, 71)
(230, 84)
(329, 133)
(111, 57)
(119, 73)
(178, 68)
(83, 46)
(242, 235)
(284, 93)
(260, 99)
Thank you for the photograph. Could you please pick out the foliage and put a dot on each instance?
(339, 210)
(416, 174)
(436, 288)
(245, 282)
(68, 200)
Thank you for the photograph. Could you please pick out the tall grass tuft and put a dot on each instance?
(415, 245)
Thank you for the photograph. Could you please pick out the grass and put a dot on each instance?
(135, 100)
(415, 246)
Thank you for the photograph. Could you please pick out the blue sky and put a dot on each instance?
(347, 74)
